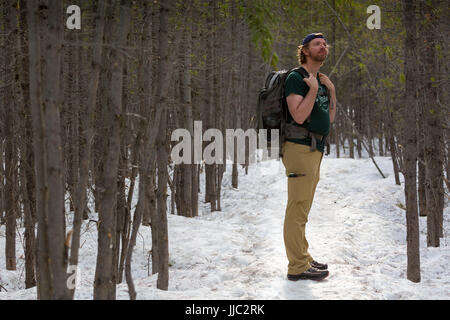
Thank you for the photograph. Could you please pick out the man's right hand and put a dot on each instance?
(312, 82)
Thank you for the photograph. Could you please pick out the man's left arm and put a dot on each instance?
(330, 86)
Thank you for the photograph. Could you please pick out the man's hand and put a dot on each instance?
(312, 82)
(326, 82)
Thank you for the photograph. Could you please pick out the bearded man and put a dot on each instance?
(311, 101)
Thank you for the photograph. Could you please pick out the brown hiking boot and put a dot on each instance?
(310, 274)
(319, 266)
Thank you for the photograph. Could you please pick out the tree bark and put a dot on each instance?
(410, 144)
(45, 91)
(26, 151)
(188, 200)
(40, 150)
(234, 82)
(162, 154)
(104, 285)
(433, 128)
(87, 134)
(10, 146)
(52, 103)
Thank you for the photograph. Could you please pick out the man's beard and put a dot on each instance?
(319, 57)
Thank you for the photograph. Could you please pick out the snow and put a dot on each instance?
(356, 226)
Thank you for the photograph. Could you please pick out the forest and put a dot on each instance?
(91, 91)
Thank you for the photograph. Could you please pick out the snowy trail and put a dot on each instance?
(354, 225)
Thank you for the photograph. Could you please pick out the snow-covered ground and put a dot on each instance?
(356, 225)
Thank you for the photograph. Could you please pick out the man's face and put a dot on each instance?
(317, 49)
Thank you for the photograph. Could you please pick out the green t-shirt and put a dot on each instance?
(320, 117)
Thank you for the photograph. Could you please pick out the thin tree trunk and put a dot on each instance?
(10, 146)
(87, 129)
(156, 136)
(392, 145)
(433, 128)
(27, 164)
(162, 154)
(410, 144)
(420, 156)
(335, 127)
(188, 119)
(104, 285)
(30, 278)
(26, 155)
(50, 263)
(40, 151)
(10, 206)
(56, 220)
(234, 83)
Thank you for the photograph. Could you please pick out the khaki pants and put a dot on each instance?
(298, 159)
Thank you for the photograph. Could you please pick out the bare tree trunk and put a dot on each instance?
(132, 242)
(144, 77)
(359, 121)
(26, 154)
(56, 220)
(155, 136)
(335, 127)
(410, 144)
(121, 219)
(433, 128)
(210, 105)
(10, 207)
(161, 197)
(162, 153)
(234, 80)
(10, 146)
(443, 66)
(150, 140)
(51, 266)
(70, 116)
(392, 144)
(380, 140)
(87, 134)
(148, 75)
(40, 151)
(30, 278)
(104, 285)
(420, 156)
(188, 118)
(10, 175)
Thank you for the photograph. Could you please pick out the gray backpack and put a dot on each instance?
(273, 111)
(272, 107)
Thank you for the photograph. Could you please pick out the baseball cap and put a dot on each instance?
(311, 36)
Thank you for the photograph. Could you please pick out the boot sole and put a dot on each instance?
(308, 278)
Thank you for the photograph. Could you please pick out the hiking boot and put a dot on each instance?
(319, 266)
(310, 274)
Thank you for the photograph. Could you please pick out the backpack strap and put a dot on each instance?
(292, 130)
(302, 71)
(297, 132)
(304, 74)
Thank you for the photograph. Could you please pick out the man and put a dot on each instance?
(308, 123)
